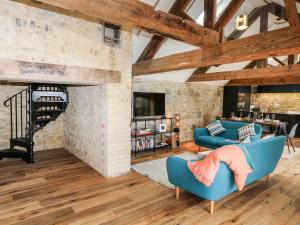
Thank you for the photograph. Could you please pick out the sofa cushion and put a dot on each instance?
(246, 131)
(209, 140)
(215, 128)
(230, 134)
(223, 141)
(216, 141)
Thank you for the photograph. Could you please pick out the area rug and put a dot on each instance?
(156, 169)
(286, 155)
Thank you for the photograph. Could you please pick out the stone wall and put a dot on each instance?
(197, 104)
(277, 102)
(97, 121)
(50, 137)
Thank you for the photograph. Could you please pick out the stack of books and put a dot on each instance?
(142, 144)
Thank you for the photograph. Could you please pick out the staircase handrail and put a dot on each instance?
(8, 100)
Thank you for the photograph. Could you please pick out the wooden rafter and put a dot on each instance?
(268, 44)
(228, 13)
(133, 13)
(268, 72)
(152, 48)
(250, 65)
(278, 61)
(273, 8)
(278, 11)
(281, 12)
(291, 59)
(291, 11)
(200, 70)
(253, 16)
(210, 10)
(157, 41)
(264, 21)
(265, 81)
(226, 16)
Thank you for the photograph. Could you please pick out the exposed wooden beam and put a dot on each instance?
(278, 61)
(31, 72)
(210, 10)
(151, 48)
(253, 16)
(265, 81)
(273, 8)
(250, 65)
(178, 9)
(228, 13)
(268, 72)
(179, 6)
(291, 11)
(291, 59)
(133, 13)
(281, 12)
(200, 70)
(278, 11)
(273, 43)
(264, 21)
(157, 41)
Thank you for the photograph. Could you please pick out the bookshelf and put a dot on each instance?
(147, 136)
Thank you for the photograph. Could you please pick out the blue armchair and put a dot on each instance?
(203, 138)
(264, 154)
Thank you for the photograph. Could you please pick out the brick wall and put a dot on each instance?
(277, 102)
(96, 125)
(197, 104)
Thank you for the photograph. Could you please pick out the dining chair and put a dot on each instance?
(290, 136)
(281, 129)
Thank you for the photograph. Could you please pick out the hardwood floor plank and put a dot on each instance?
(61, 189)
(50, 218)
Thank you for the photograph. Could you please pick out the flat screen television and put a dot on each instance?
(148, 104)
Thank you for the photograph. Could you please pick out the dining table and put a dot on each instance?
(274, 125)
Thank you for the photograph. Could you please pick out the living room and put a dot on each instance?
(149, 112)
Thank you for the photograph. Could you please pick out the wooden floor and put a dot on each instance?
(61, 189)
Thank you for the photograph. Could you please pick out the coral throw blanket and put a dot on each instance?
(234, 156)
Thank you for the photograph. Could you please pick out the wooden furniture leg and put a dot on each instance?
(269, 177)
(288, 144)
(292, 144)
(177, 192)
(211, 206)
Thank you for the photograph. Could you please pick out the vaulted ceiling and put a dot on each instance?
(196, 11)
(209, 43)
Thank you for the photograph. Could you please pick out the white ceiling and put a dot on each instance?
(141, 39)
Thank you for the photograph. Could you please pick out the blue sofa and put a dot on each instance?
(203, 138)
(264, 155)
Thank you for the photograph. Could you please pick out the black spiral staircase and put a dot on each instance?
(30, 111)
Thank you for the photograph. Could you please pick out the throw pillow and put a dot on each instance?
(246, 131)
(246, 140)
(215, 128)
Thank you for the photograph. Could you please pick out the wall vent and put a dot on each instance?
(112, 33)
